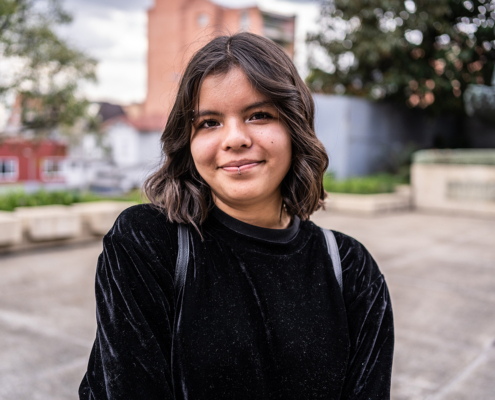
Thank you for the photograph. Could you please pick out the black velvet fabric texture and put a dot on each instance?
(261, 315)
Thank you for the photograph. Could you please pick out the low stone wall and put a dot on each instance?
(33, 227)
(370, 204)
(49, 222)
(98, 217)
(10, 229)
(456, 181)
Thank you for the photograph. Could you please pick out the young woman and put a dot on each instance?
(261, 314)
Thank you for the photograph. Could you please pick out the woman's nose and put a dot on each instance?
(236, 135)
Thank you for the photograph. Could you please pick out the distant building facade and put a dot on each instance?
(178, 28)
(27, 161)
(32, 161)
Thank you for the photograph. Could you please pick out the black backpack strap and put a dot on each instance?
(333, 251)
(179, 284)
(182, 256)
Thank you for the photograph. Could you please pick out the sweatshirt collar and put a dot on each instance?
(257, 232)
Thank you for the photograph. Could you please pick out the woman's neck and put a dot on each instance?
(268, 214)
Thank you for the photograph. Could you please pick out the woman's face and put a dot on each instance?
(239, 145)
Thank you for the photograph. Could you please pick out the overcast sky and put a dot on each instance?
(113, 32)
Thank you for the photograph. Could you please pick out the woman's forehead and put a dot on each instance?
(229, 90)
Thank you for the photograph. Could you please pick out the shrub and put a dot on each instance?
(10, 200)
(372, 184)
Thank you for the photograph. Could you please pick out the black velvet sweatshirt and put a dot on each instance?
(261, 315)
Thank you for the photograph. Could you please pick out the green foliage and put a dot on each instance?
(373, 184)
(11, 200)
(136, 195)
(417, 53)
(58, 107)
(45, 69)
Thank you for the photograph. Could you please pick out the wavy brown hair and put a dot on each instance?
(178, 189)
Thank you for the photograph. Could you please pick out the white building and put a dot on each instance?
(120, 158)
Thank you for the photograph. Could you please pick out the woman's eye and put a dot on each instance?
(210, 123)
(261, 115)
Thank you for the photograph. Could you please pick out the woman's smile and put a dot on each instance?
(238, 167)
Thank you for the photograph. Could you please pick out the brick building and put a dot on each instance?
(23, 161)
(26, 160)
(178, 28)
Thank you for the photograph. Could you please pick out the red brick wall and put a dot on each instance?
(30, 156)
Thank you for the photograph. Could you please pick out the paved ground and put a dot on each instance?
(440, 271)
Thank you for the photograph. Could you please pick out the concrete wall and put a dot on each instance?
(362, 137)
(456, 181)
(466, 189)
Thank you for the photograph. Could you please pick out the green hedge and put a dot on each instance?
(10, 200)
(372, 184)
(455, 156)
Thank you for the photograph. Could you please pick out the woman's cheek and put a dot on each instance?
(204, 152)
(279, 143)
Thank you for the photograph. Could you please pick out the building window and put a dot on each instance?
(52, 169)
(203, 20)
(9, 169)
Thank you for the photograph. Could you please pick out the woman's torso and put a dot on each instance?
(261, 316)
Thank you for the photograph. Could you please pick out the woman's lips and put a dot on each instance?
(242, 168)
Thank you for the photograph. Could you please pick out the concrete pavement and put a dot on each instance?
(440, 271)
(441, 274)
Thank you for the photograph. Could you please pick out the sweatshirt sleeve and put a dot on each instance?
(370, 324)
(130, 358)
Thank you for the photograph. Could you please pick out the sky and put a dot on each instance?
(114, 33)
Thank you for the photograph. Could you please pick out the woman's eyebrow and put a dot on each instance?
(257, 104)
(202, 113)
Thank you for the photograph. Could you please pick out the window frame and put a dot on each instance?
(15, 176)
(48, 177)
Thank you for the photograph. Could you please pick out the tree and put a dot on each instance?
(419, 53)
(43, 69)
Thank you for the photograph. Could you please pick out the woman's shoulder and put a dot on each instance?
(349, 247)
(144, 224)
(359, 269)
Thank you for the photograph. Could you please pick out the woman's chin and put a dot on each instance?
(241, 196)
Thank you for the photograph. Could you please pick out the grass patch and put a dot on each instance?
(134, 196)
(372, 184)
(11, 200)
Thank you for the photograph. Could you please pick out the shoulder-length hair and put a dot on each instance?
(178, 189)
